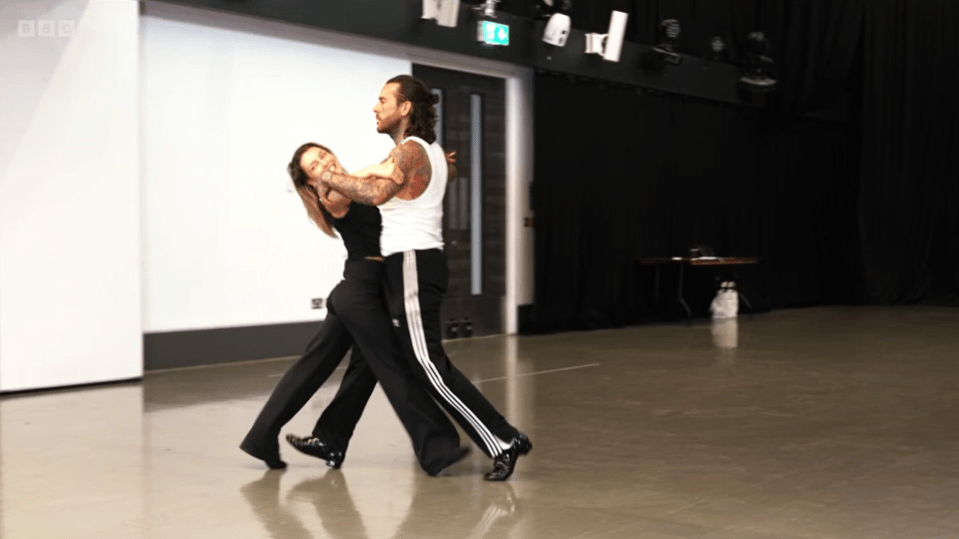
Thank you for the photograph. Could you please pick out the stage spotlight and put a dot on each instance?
(757, 65)
(557, 29)
(610, 44)
(548, 7)
(757, 43)
(487, 9)
(718, 49)
(669, 31)
(446, 12)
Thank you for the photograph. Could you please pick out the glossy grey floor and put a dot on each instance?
(814, 423)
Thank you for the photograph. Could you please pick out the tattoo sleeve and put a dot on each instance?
(370, 190)
(413, 162)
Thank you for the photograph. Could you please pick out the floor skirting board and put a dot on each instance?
(178, 349)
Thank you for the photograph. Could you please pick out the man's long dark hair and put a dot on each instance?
(423, 116)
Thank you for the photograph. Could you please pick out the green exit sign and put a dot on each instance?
(493, 33)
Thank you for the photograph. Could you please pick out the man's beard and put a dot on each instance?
(387, 126)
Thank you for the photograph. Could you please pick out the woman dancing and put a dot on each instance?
(357, 318)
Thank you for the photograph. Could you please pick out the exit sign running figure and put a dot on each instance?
(493, 33)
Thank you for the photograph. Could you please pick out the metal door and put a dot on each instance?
(472, 122)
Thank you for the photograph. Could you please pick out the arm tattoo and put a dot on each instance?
(412, 160)
(369, 190)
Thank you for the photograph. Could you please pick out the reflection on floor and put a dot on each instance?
(817, 423)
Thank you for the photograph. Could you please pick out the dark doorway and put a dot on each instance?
(472, 122)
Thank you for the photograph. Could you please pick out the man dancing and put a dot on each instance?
(411, 205)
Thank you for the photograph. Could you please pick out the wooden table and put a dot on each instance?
(683, 261)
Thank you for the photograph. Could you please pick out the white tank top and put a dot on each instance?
(417, 224)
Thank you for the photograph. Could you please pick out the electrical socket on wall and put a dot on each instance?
(317, 303)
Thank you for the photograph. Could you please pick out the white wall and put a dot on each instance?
(227, 241)
(224, 102)
(69, 196)
(519, 157)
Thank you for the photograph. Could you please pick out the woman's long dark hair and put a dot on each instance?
(423, 117)
(311, 199)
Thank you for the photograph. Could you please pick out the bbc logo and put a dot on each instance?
(46, 28)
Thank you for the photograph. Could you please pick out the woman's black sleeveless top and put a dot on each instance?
(360, 230)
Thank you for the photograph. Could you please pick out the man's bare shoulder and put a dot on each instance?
(411, 158)
(408, 151)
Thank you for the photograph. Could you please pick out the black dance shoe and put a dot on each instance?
(313, 446)
(272, 461)
(504, 464)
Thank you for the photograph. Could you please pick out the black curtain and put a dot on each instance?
(864, 210)
(814, 45)
(909, 192)
(621, 175)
